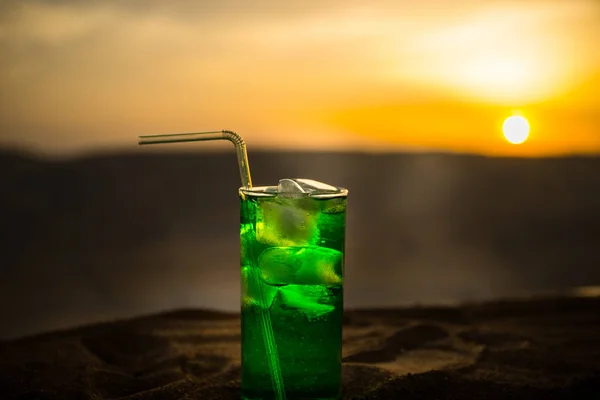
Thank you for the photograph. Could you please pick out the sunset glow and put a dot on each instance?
(333, 75)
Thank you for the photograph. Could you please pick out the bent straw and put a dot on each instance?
(242, 156)
(238, 142)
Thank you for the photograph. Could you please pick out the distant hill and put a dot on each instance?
(116, 235)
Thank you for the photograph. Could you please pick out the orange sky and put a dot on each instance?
(391, 75)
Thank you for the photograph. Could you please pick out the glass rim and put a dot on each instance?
(261, 191)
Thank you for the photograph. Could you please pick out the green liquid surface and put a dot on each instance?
(292, 266)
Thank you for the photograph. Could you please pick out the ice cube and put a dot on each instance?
(289, 187)
(332, 205)
(278, 265)
(306, 265)
(312, 301)
(287, 221)
(309, 185)
(251, 290)
(335, 205)
(290, 218)
(319, 265)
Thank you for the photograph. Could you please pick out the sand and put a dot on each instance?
(525, 349)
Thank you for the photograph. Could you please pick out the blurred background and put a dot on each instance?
(468, 134)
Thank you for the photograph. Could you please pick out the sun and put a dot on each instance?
(516, 129)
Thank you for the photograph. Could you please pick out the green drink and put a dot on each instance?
(292, 266)
(292, 253)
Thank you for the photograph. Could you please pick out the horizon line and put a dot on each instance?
(108, 151)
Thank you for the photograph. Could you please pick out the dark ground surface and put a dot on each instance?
(535, 349)
(121, 235)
